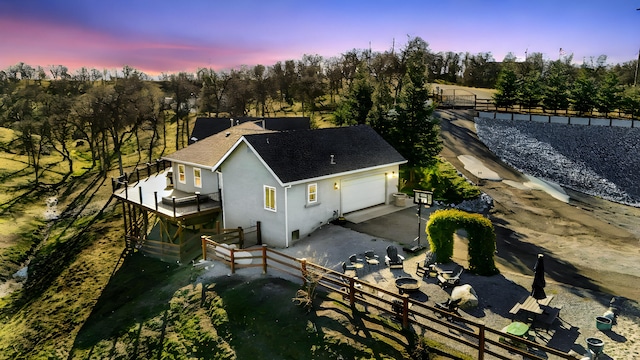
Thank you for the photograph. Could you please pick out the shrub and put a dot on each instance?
(482, 238)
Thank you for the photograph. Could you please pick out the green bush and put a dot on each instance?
(445, 182)
(482, 238)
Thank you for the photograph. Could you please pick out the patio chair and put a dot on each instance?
(353, 259)
(446, 279)
(371, 258)
(392, 259)
(349, 269)
(450, 306)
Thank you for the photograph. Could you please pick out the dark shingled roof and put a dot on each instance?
(206, 126)
(306, 154)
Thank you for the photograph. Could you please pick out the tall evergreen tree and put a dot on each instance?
(416, 132)
(507, 86)
(609, 94)
(530, 90)
(583, 95)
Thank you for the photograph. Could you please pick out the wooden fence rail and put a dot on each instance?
(475, 335)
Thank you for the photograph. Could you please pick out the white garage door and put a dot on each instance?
(360, 193)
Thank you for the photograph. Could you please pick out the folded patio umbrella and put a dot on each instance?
(537, 291)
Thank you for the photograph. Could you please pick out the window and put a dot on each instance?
(312, 193)
(197, 178)
(181, 177)
(269, 198)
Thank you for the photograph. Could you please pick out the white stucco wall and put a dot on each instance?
(243, 180)
(209, 180)
(244, 177)
(305, 217)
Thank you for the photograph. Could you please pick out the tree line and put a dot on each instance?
(561, 86)
(49, 108)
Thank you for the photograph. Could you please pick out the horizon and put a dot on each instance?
(156, 39)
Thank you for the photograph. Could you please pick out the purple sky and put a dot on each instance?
(157, 36)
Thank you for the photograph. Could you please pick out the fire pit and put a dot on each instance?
(407, 284)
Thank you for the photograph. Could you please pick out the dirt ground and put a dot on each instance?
(588, 243)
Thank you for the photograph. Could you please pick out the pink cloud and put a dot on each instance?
(44, 44)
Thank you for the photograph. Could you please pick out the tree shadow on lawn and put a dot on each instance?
(267, 324)
(138, 291)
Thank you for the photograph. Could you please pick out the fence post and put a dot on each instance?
(352, 293)
(405, 311)
(204, 247)
(232, 255)
(155, 199)
(140, 194)
(264, 259)
(480, 341)
(241, 237)
(218, 227)
(259, 232)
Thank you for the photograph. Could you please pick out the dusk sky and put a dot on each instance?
(157, 36)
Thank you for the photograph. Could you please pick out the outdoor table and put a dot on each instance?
(517, 328)
(532, 305)
(372, 262)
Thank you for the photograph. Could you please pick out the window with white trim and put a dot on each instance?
(197, 177)
(181, 174)
(312, 193)
(269, 198)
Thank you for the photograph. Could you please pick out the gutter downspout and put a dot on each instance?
(286, 216)
(221, 191)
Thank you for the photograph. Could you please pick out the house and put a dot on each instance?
(290, 183)
(207, 126)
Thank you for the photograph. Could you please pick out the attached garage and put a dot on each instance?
(362, 192)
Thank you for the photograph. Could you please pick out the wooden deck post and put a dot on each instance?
(264, 259)
(204, 247)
